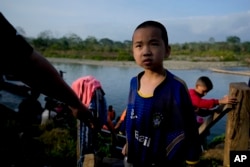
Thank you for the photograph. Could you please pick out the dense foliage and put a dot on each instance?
(72, 46)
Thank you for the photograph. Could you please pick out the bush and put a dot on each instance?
(59, 146)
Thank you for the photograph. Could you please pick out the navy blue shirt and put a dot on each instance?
(162, 128)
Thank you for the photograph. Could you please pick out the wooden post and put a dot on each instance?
(238, 121)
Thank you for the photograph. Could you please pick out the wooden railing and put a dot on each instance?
(237, 131)
(238, 122)
(212, 119)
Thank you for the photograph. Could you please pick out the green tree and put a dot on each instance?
(74, 41)
(91, 44)
(233, 39)
(106, 44)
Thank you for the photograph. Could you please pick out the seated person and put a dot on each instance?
(111, 113)
(120, 127)
(110, 119)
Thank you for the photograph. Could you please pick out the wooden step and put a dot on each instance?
(211, 120)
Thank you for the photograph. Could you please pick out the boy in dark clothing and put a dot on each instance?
(160, 122)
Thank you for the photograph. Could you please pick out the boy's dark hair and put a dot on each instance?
(156, 24)
(205, 81)
(110, 107)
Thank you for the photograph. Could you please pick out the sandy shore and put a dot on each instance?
(169, 64)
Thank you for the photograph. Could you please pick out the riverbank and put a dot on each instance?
(169, 64)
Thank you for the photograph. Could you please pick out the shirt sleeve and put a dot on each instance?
(199, 102)
(191, 129)
(14, 48)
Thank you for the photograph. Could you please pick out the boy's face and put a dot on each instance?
(201, 89)
(149, 49)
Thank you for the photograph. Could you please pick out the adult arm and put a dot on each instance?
(21, 60)
(41, 75)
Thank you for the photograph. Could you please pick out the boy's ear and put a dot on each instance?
(168, 51)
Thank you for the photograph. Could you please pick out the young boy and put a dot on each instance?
(202, 87)
(204, 107)
(160, 122)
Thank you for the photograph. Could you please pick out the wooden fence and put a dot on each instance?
(238, 122)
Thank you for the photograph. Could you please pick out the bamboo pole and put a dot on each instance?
(238, 121)
(247, 73)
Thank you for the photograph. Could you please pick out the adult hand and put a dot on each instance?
(84, 115)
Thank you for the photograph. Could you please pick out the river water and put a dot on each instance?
(115, 82)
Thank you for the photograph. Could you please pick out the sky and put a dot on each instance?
(185, 20)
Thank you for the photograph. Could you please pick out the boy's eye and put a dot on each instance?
(138, 45)
(155, 43)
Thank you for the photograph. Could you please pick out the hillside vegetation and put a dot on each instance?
(72, 46)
